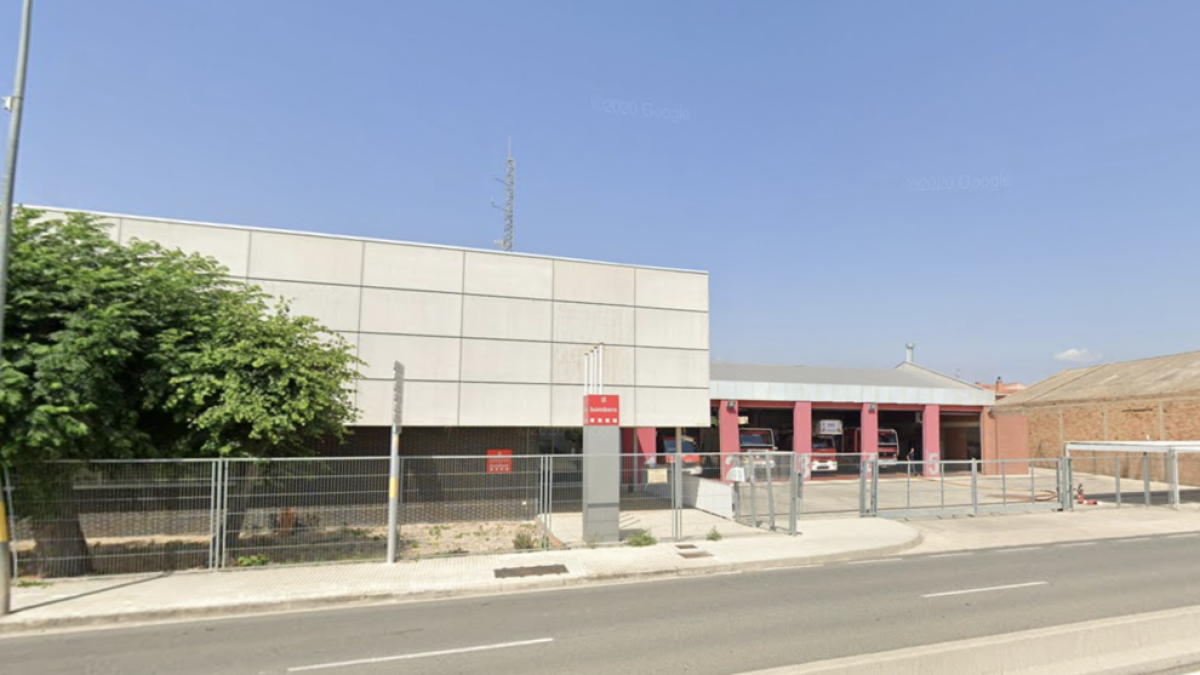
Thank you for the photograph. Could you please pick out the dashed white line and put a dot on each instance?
(421, 655)
(985, 590)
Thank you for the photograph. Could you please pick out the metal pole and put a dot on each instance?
(677, 493)
(908, 486)
(393, 495)
(1173, 468)
(771, 490)
(1004, 484)
(16, 104)
(6, 574)
(875, 485)
(942, 476)
(794, 484)
(1118, 479)
(974, 487)
(1032, 486)
(862, 488)
(753, 493)
(1146, 476)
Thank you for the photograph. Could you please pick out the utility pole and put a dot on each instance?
(13, 104)
(510, 185)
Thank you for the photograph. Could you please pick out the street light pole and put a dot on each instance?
(14, 104)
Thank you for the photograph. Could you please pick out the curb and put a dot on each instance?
(347, 600)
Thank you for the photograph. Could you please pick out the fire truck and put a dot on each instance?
(889, 444)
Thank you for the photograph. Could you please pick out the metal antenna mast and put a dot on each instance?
(510, 185)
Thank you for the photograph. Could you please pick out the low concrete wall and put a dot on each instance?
(705, 494)
(1130, 644)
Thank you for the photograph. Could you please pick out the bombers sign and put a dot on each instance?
(601, 410)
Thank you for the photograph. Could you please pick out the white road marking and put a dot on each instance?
(950, 555)
(1078, 543)
(1183, 536)
(403, 657)
(985, 590)
(1014, 550)
(868, 562)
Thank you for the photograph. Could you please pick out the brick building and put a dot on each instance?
(1155, 399)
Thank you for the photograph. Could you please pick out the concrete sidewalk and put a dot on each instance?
(1035, 529)
(109, 600)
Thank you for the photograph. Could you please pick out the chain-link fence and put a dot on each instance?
(150, 516)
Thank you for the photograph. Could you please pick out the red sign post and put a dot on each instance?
(601, 410)
(499, 461)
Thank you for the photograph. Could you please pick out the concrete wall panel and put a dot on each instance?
(504, 405)
(671, 407)
(568, 364)
(336, 307)
(229, 246)
(506, 318)
(424, 358)
(672, 368)
(669, 328)
(425, 403)
(505, 361)
(672, 290)
(509, 275)
(591, 324)
(411, 312)
(586, 282)
(297, 257)
(413, 267)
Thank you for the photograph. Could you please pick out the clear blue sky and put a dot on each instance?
(997, 181)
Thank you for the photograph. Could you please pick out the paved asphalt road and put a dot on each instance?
(715, 625)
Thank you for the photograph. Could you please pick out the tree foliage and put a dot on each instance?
(118, 351)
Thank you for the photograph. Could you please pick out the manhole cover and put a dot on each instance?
(695, 554)
(533, 571)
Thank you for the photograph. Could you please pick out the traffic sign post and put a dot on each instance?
(394, 463)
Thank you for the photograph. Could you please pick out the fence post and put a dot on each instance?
(770, 489)
(942, 480)
(1146, 476)
(862, 487)
(753, 493)
(1068, 480)
(1173, 472)
(875, 485)
(214, 510)
(1003, 485)
(1118, 479)
(974, 487)
(908, 487)
(794, 486)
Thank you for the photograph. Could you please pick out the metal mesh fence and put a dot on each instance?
(971, 487)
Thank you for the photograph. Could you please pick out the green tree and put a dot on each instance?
(129, 351)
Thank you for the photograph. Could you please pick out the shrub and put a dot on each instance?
(525, 540)
(713, 535)
(253, 560)
(641, 538)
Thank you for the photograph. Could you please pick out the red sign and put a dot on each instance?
(601, 410)
(499, 461)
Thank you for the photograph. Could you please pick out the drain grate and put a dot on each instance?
(695, 554)
(685, 546)
(532, 571)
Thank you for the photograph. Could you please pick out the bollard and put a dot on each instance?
(1118, 481)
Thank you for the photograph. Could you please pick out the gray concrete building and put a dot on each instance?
(489, 339)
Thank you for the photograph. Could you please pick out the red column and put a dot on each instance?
(727, 421)
(931, 440)
(870, 432)
(647, 443)
(802, 433)
(628, 474)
